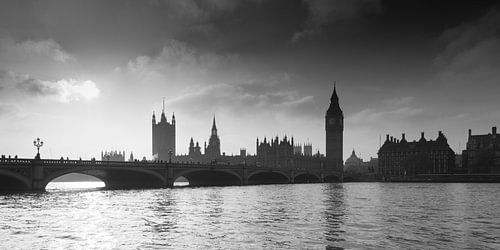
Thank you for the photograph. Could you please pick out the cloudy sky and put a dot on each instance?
(85, 76)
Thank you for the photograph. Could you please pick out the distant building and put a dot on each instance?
(353, 161)
(399, 158)
(482, 154)
(281, 154)
(297, 149)
(112, 156)
(334, 125)
(194, 150)
(371, 165)
(356, 165)
(163, 137)
(212, 151)
(459, 166)
(308, 149)
(275, 153)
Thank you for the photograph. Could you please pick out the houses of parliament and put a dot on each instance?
(272, 152)
(396, 158)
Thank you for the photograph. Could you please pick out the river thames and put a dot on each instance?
(301, 216)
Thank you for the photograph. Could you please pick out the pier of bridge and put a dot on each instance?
(35, 174)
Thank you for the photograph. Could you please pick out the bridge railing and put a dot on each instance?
(12, 162)
(15, 160)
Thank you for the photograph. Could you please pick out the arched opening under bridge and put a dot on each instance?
(75, 181)
(331, 178)
(10, 181)
(118, 178)
(211, 178)
(348, 179)
(181, 181)
(306, 178)
(268, 177)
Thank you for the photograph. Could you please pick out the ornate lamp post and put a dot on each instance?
(38, 144)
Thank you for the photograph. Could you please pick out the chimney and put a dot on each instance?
(494, 130)
(387, 137)
(422, 135)
(403, 136)
(470, 132)
(392, 139)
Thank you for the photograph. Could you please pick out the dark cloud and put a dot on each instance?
(471, 45)
(323, 12)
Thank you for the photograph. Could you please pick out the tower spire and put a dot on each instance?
(214, 127)
(163, 117)
(335, 97)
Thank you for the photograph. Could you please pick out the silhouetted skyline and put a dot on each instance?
(85, 76)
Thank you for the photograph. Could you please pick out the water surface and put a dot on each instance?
(313, 216)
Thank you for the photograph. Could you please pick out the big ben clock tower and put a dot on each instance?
(334, 124)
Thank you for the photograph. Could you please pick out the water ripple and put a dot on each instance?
(305, 216)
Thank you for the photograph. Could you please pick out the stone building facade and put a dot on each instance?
(283, 154)
(355, 165)
(400, 158)
(482, 154)
(112, 155)
(163, 137)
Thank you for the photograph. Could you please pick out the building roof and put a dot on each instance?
(394, 145)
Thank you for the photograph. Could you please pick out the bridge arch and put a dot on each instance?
(268, 177)
(306, 177)
(331, 178)
(210, 177)
(348, 178)
(10, 180)
(54, 175)
(115, 178)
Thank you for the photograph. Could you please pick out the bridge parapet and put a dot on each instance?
(5, 161)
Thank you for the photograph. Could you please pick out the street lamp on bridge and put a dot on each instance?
(38, 144)
(170, 156)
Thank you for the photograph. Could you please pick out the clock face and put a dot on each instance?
(331, 121)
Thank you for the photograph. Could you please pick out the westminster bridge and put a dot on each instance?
(35, 174)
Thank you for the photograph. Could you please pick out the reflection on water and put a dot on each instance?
(181, 184)
(334, 213)
(77, 185)
(348, 215)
